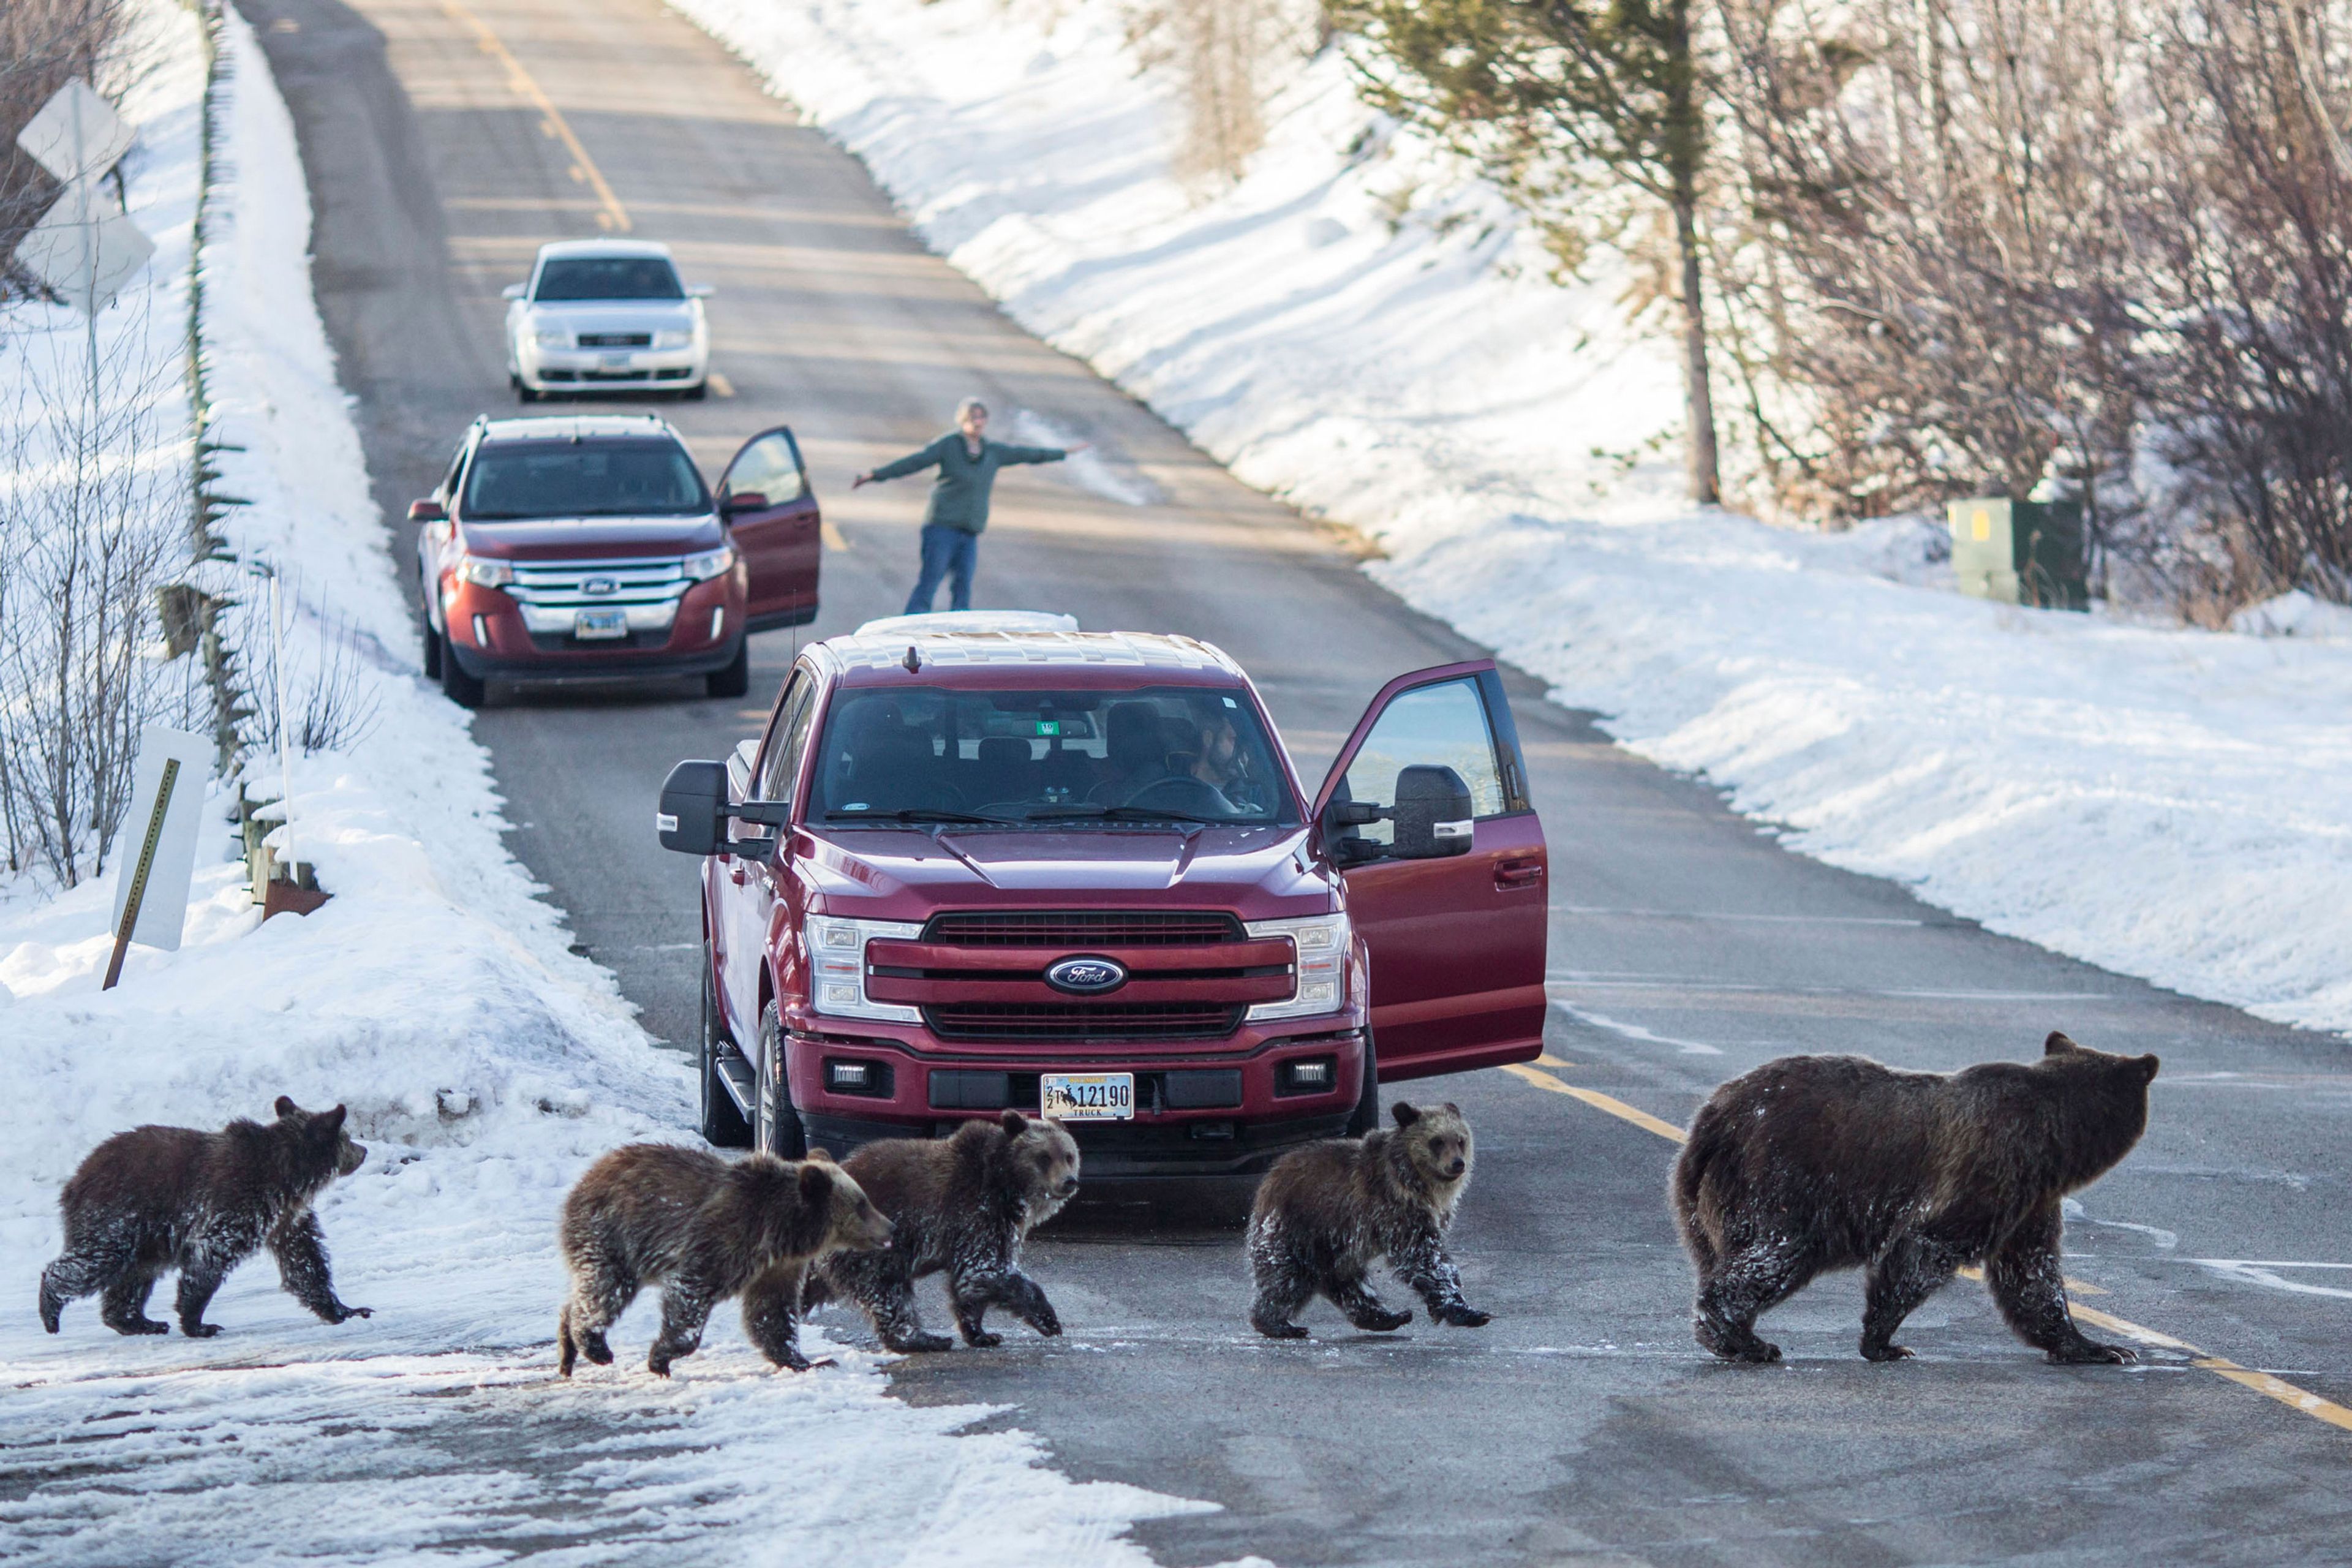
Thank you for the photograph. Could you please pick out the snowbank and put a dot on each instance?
(484, 1066)
(1360, 329)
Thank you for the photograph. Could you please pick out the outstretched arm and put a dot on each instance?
(1420, 1260)
(1040, 454)
(302, 1252)
(912, 463)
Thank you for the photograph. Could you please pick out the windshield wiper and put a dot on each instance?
(916, 814)
(1123, 813)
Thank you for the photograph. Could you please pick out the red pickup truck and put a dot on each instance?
(980, 861)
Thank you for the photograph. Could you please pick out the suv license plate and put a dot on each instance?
(587, 623)
(1087, 1096)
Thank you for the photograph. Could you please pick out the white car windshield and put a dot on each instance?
(607, 277)
(512, 480)
(1163, 753)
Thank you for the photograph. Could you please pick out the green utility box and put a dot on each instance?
(2022, 552)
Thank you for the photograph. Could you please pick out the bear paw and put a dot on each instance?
(194, 1331)
(658, 1365)
(143, 1326)
(1044, 1321)
(1383, 1322)
(593, 1347)
(1278, 1331)
(1464, 1316)
(2090, 1353)
(920, 1344)
(1886, 1353)
(984, 1339)
(343, 1314)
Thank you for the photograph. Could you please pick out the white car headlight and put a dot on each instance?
(1322, 943)
(710, 564)
(553, 338)
(838, 967)
(674, 340)
(485, 574)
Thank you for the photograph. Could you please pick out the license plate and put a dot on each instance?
(600, 624)
(617, 362)
(1087, 1096)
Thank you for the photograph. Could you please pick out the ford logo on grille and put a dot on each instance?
(1086, 976)
(599, 587)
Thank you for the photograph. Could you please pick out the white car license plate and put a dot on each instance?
(1087, 1096)
(618, 362)
(588, 624)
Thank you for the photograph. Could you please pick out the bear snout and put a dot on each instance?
(1456, 1167)
(1068, 1188)
(350, 1158)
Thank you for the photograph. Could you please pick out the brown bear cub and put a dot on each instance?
(160, 1198)
(705, 1229)
(964, 1204)
(1816, 1162)
(1325, 1212)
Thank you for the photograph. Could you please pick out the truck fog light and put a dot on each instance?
(856, 1077)
(1316, 1075)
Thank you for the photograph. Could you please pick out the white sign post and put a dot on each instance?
(82, 247)
(155, 851)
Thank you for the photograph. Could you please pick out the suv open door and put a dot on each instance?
(1456, 937)
(765, 499)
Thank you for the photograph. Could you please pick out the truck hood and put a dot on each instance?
(594, 538)
(1258, 873)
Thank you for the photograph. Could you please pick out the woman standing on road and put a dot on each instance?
(967, 463)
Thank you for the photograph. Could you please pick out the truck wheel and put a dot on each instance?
(736, 678)
(723, 1126)
(778, 1132)
(1366, 1114)
(465, 691)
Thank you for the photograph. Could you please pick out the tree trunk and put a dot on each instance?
(1698, 396)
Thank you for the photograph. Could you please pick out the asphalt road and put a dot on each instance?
(1583, 1423)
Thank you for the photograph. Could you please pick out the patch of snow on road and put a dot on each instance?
(485, 1066)
(1357, 327)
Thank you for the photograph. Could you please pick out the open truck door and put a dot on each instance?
(765, 497)
(1454, 922)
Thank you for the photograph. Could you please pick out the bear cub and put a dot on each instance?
(1817, 1162)
(704, 1230)
(158, 1198)
(1325, 1212)
(964, 1204)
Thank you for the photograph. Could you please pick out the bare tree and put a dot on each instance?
(1226, 54)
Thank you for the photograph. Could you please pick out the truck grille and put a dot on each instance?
(1083, 929)
(616, 340)
(1082, 1022)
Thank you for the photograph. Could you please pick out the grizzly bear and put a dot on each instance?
(965, 1203)
(1325, 1212)
(1816, 1162)
(160, 1198)
(705, 1229)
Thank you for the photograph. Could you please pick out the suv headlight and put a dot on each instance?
(552, 338)
(710, 564)
(1322, 943)
(485, 574)
(674, 339)
(838, 967)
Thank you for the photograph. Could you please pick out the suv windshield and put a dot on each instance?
(514, 479)
(1161, 753)
(608, 278)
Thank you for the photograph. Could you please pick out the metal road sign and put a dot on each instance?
(84, 249)
(76, 135)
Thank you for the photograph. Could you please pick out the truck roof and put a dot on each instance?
(986, 655)
(577, 428)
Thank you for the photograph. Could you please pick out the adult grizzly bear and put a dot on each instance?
(1326, 1213)
(1815, 1163)
(704, 1228)
(963, 1204)
(158, 1198)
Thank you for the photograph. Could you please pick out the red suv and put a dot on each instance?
(980, 861)
(588, 548)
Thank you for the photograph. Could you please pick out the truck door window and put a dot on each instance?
(791, 742)
(1444, 723)
(766, 466)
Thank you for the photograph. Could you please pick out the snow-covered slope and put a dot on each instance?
(1358, 328)
(484, 1066)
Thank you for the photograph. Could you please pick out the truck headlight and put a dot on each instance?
(838, 967)
(710, 564)
(674, 339)
(552, 338)
(1322, 943)
(485, 574)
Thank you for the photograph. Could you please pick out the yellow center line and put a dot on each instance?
(833, 540)
(614, 215)
(2299, 1399)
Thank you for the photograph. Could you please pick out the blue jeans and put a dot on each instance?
(947, 552)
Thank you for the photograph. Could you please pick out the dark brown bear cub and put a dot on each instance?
(1325, 1212)
(1817, 1162)
(160, 1198)
(704, 1228)
(965, 1203)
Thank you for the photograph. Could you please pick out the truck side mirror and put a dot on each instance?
(693, 799)
(512, 291)
(1432, 815)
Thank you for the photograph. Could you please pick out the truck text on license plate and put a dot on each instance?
(1087, 1096)
(601, 624)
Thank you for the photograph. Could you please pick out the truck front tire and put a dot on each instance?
(1366, 1114)
(723, 1126)
(777, 1128)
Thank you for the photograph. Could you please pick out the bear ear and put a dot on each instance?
(1405, 1114)
(821, 1156)
(2148, 1066)
(815, 1182)
(1453, 1107)
(2058, 1045)
(1013, 1123)
(285, 1106)
(334, 1118)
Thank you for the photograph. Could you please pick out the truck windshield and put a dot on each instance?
(608, 278)
(510, 480)
(1163, 753)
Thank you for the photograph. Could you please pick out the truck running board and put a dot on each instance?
(742, 1087)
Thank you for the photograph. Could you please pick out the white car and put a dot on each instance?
(606, 313)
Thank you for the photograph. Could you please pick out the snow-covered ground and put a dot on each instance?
(1360, 329)
(483, 1065)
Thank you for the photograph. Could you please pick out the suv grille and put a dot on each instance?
(616, 340)
(1083, 928)
(1083, 1022)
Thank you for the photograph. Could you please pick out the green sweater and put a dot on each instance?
(960, 493)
